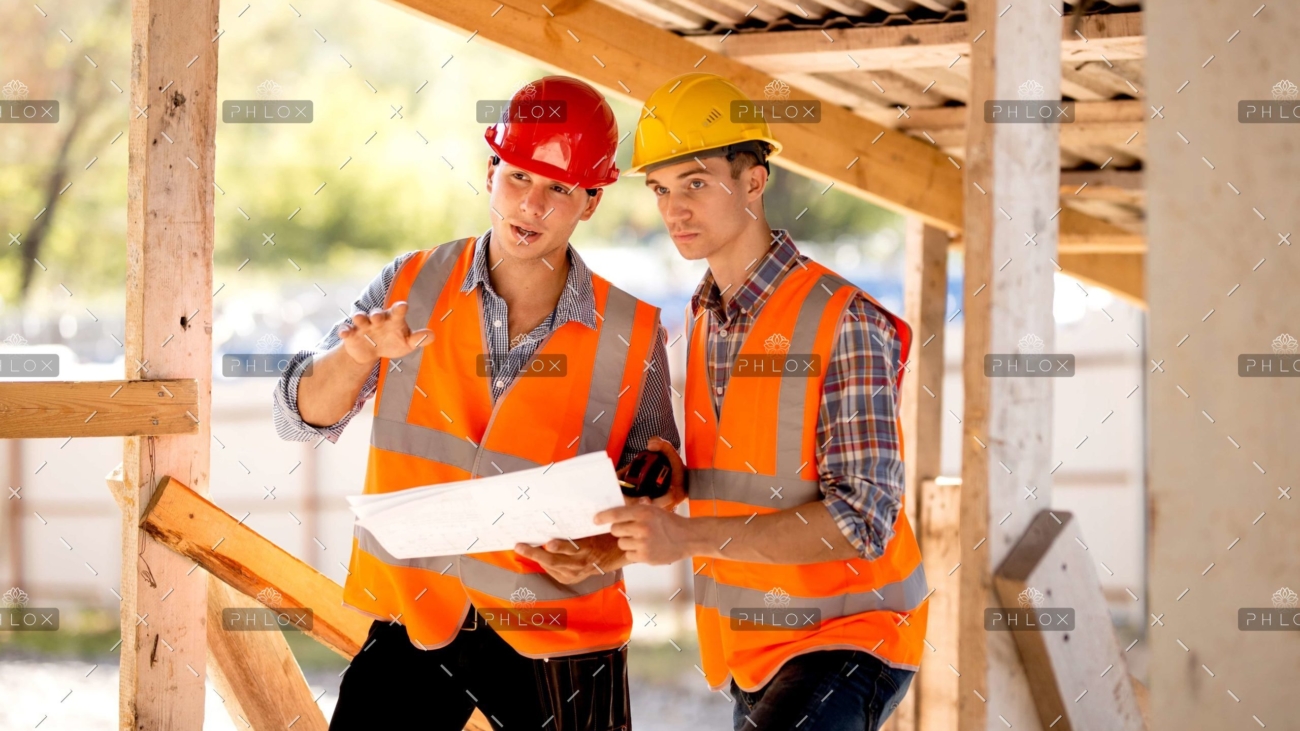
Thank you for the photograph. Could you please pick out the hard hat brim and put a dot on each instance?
(673, 159)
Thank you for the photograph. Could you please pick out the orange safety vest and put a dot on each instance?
(435, 422)
(760, 457)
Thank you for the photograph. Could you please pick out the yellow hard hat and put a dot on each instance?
(691, 114)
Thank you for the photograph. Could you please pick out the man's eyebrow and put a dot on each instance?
(650, 182)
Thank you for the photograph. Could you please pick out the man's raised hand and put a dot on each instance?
(382, 333)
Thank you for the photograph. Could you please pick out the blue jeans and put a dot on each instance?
(831, 690)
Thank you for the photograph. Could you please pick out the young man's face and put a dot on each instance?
(703, 207)
(533, 216)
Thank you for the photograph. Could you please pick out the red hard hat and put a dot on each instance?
(561, 128)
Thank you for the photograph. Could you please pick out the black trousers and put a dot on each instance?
(392, 684)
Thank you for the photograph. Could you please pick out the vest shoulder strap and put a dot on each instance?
(426, 283)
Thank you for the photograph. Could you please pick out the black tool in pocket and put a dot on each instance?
(586, 692)
(649, 474)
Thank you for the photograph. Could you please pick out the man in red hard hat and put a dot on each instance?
(448, 340)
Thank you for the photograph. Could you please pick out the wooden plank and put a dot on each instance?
(168, 335)
(1101, 143)
(1205, 492)
(1051, 559)
(925, 304)
(1116, 36)
(265, 688)
(1126, 179)
(1122, 274)
(11, 517)
(941, 550)
(663, 13)
(187, 523)
(1085, 113)
(45, 409)
(925, 301)
(1009, 289)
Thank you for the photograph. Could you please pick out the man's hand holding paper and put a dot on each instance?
(493, 513)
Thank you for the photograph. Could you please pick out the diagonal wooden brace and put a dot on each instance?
(249, 564)
(1079, 678)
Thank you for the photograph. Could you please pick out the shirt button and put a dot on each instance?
(723, 332)
(500, 384)
(718, 390)
(496, 323)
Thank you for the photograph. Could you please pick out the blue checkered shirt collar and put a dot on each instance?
(577, 299)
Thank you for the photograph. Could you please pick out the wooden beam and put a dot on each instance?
(255, 673)
(264, 687)
(45, 409)
(11, 517)
(925, 304)
(1009, 287)
(187, 523)
(941, 547)
(1125, 179)
(1122, 274)
(1083, 234)
(171, 155)
(1050, 559)
(1085, 113)
(1116, 36)
(925, 308)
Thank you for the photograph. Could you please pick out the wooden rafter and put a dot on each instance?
(1114, 36)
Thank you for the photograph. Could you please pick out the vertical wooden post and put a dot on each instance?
(13, 514)
(925, 304)
(1221, 283)
(1012, 178)
(310, 504)
(925, 298)
(168, 334)
(940, 538)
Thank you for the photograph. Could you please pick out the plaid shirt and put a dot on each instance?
(654, 416)
(858, 460)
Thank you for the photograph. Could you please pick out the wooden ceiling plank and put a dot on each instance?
(664, 13)
(1115, 36)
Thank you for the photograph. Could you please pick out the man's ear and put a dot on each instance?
(493, 160)
(592, 202)
(757, 177)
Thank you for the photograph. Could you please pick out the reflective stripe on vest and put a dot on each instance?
(435, 422)
(767, 465)
(487, 578)
(392, 432)
(899, 596)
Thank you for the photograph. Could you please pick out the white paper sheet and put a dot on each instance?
(493, 513)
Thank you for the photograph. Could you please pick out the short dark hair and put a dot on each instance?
(742, 160)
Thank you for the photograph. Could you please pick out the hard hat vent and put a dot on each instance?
(713, 116)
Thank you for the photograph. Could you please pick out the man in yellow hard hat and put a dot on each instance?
(810, 595)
